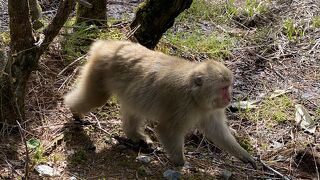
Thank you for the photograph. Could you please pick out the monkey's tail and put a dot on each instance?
(75, 99)
(98, 49)
(89, 92)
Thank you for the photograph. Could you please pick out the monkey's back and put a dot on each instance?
(144, 79)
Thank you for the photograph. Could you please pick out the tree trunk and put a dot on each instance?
(154, 17)
(23, 57)
(20, 63)
(92, 14)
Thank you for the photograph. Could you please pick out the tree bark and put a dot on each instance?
(35, 12)
(20, 63)
(3, 55)
(154, 17)
(23, 57)
(95, 14)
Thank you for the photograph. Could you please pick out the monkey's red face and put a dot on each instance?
(225, 96)
(212, 90)
(213, 98)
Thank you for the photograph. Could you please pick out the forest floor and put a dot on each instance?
(273, 48)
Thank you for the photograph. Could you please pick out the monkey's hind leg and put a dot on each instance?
(133, 127)
(88, 94)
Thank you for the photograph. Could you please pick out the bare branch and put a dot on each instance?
(23, 139)
(85, 3)
(52, 30)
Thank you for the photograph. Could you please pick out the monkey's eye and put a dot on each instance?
(198, 80)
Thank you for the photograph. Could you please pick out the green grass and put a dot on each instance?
(195, 32)
(213, 45)
(292, 31)
(78, 41)
(276, 111)
(231, 9)
(202, 10)
(253, 7)
(111, 33)
(245, 143)
(316, 22)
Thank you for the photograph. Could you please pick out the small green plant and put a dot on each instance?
(245, 143)
(289, 28)
(318, 113)
(79, 157)
(316, 22)
(38, 156)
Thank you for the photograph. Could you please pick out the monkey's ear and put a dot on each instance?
(198, 80)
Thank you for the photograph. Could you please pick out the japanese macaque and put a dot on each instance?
(176, 93)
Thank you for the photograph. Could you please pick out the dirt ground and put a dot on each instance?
(94, 151)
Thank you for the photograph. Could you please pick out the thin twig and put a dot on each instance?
(120, 3)
(68, 78)
(130, 33)
(85, 3)
(202, 140)
(275, 71)
(23, 139)
(242, 167)
(98, 125)
(12, 169)
(71, 64)
(273, 170)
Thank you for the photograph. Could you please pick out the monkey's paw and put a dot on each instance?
(250, 160)
(141, 145)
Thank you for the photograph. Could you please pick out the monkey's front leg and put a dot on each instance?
(216, 130)
(173, 141)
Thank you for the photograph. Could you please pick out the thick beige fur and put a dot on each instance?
(176, 93)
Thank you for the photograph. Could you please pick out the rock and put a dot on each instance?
(171, 175)
(243, 105)
(143, 158)
(226, 174)
(45, 170)
(304, 120)
(121, 147)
